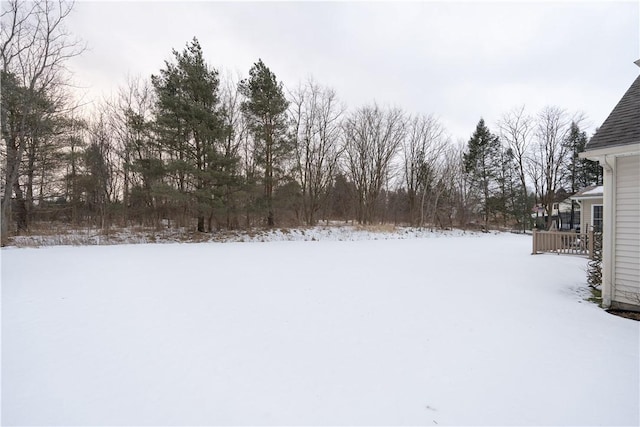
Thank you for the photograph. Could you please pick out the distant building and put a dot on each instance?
(591, 209)
(562, 216)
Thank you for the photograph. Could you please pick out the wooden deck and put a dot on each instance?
(563, 242)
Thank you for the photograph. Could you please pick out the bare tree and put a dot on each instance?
(100, 177)
(458, 196)
(129, 116)
(236, 133)
(241, 140)
(547, 164)
(315, 113)
(516, 131)
(372, 137)
(34, 47)
(75, 137)
(422, 150)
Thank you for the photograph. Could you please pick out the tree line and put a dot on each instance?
(193, 147)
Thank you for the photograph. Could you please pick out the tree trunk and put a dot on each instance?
(8, 192)
(14, 154)
(21, 209)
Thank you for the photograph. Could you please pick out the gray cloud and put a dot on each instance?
(458, 61)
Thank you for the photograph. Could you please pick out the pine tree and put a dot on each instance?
(581, 172)
(30, 123)
(482, 163)
(191, 130)
(508, 188)
(265, 109)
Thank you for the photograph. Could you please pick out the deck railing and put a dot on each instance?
(563, 242)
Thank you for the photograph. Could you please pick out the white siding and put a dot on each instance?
(627, 231)
(586, 212)
(585, 215)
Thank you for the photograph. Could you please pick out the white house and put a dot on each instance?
(616, 146)
(561, 215)
(591, 209)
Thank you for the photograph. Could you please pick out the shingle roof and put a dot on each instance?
(622, 127)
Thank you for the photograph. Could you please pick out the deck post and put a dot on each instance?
(535, 248)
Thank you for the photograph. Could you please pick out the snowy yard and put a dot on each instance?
(450, 330)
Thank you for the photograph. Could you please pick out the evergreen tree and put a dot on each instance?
(592, 173)
(143, 168)
(482, 163)
(581, 172)
(34, 47)
(28, 128)
(75, 142)
(505, 200)
(191, 129)
(96, 180)
(265, 109)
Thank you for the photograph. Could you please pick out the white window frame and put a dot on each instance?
(593, 216)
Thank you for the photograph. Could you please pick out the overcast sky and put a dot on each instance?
(456, 60)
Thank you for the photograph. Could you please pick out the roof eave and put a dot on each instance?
(616, 151)
(589, 197)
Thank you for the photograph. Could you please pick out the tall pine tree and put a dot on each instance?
(581, 172)
(191, 130)
(265, 109)
(482, 163)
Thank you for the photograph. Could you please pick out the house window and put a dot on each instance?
(596, 217)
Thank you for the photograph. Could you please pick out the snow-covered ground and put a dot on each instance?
(462, 329)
